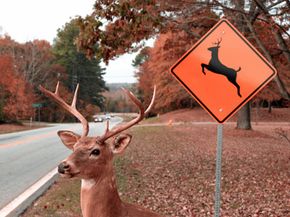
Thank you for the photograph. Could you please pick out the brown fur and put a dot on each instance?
(99, 194)
(92, 161)
(102, 200)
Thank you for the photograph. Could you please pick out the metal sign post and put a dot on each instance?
(39, 115)
(37, 106)
(218, 171)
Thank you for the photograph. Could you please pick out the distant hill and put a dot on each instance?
(116, 100)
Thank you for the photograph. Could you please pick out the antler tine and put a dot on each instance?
(71, 109)
(152, 100)
(218, 42)
(57, 89)
(135, 100)
(107, 126)
(73, 104)
(140, 116)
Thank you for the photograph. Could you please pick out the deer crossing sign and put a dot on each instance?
(223, 71)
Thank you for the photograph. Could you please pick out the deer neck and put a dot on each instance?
(214, 56)
(99, 197)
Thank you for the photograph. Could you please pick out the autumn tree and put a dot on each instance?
(154, 71)
(34, 64)
(121, 26)
(132, 22)
(34, 59)
(38, 62)
(16, 96)
(141, 57)
(272, 93)
(87, 72)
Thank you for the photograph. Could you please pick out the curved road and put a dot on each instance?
(27, 156)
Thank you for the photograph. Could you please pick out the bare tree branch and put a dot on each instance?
(280, 41)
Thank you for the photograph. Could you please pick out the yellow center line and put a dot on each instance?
(33, 138)
(27, 140)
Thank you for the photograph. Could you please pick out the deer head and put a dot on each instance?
(217, 45)
(92, 156)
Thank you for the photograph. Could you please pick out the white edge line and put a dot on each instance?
(22, 198)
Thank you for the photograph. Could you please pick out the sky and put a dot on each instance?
(26, 20)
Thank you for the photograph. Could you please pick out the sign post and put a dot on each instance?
(218, 170)
(222, 72)
(38, 106)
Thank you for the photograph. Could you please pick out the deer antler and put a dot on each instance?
(109, 133)
(218, 42)
(69, 108)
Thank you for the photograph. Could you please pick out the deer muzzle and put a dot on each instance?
(63, 167)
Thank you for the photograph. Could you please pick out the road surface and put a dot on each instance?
(27, 156)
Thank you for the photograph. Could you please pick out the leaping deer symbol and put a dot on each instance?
(217, 67)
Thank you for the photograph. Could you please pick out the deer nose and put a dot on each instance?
(62, 167)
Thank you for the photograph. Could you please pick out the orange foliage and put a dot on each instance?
(22, 68)
(267, 37)
(16, 95)
(155, 71)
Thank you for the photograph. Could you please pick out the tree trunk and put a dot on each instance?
(258, 111)
(269, 106)
(244, 117)
(281, 87)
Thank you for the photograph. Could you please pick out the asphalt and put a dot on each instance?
(25, 157)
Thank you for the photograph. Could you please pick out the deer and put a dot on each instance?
(92, 161)
(217, 67)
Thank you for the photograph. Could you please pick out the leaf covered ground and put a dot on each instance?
(198, 115)
(171, 170)
(255, 172)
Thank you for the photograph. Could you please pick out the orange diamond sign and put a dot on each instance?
(223, 71)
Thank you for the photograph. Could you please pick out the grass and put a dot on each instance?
(59, 201)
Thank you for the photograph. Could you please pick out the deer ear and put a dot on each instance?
(68, 138)
(120, 143)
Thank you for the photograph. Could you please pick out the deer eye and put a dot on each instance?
(95, 152)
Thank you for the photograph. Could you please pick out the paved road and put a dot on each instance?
(27, 156)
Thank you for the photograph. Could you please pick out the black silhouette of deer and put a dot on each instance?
(217, 67)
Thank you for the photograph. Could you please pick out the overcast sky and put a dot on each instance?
(25, 20)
